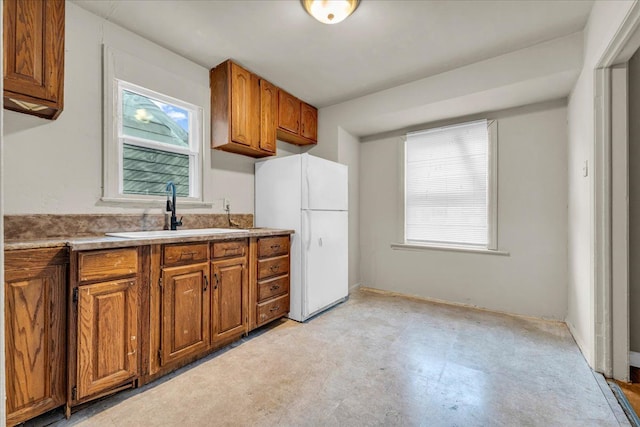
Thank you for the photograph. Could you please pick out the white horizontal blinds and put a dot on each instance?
(446, 185)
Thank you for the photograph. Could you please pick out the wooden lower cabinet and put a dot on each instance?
(35, 331)
(230, 298)
(107, 336)
(185, 312)
(104, 322)
(82, 325)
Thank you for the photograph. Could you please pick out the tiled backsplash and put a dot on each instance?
(35, 227)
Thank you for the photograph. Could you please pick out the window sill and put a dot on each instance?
(145, 203)
(417, 247)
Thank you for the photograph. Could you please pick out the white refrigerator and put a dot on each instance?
(309, 195)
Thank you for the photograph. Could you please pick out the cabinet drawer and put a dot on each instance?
(272, 246)
(272, 309)
(273, 287)
(273, 267)
(100, 265)
(229, 248)
(180, 254)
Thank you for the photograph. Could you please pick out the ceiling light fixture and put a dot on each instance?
(330, 11)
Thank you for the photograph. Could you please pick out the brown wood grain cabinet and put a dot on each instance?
(82, 325)
(270, 287)
(236, 111)
(33, 37)
(107, 336)
(268, 116)
(185, 312)
(230, 297)
(104, 327)
(297, 120)
(35, 331)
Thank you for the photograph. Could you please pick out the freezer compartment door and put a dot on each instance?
(325, 259)
(324, 184)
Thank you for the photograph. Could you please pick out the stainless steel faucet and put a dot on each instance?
(171, 205)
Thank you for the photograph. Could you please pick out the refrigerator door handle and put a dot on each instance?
(308, 229)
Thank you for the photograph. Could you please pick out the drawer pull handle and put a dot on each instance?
(277, 307)
(275, 287)
(187, 255)
(275, 268)
(275, 246)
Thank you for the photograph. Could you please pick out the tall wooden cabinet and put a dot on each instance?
(35, 331)
(238, 104)
(33, 36)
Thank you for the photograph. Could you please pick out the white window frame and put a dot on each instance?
(492, 199)
(112, 189)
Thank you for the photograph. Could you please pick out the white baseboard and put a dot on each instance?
(634, 359)
(578, 339)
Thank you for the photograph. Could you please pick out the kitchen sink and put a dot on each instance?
(174, 233)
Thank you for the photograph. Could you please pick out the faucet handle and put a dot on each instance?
(179, 222)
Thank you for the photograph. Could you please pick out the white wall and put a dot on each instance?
(604, 20)
(532, 223)
(56, 167)
(349, 154)
(634, 203)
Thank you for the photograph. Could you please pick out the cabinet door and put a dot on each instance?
(34, 50)
(107, 335)
(230, 298)
(309, 122)
(268, 111)
(288, 112)
(35, 328)
(185, 311)
(244, 107)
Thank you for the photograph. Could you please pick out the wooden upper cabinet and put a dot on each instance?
(33, 37)
(242, 106)
(288, 112)
(185, 311)
(236, 110)
(268, 119)
(35, 332)
(107, 354)
(308, 122)
(297, 120)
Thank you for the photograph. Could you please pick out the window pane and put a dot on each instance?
(147, 171)
(446, 185)
(148, 118)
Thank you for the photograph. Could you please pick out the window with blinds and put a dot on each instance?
(449, 186)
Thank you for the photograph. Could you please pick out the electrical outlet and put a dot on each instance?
(226, 204)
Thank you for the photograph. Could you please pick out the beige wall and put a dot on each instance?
(532, 223)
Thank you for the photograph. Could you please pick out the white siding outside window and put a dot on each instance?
(450, 180)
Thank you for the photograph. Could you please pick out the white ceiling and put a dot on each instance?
(384, 44)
